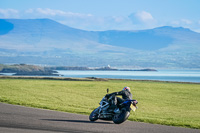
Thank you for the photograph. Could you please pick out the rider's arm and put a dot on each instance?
(120, 93)
(115, 93)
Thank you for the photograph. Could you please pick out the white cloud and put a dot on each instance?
(186, 21)
(182, 22)
(51, 12)
(29, 11)
(9, 13)
(175, 22)
(118, 19)
(79, 20)
(135, 21)
(144, 16)
(142, 20)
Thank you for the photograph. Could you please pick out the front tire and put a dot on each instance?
(123, 116)
(94, 115)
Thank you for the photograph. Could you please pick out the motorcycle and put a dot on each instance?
(118, 115)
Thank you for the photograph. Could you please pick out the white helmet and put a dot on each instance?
(127, 88)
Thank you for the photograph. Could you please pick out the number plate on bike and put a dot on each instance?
(133, 107)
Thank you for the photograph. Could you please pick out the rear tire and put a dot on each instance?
(94, 115)
(123, 116)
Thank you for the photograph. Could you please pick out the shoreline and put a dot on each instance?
(86, 79)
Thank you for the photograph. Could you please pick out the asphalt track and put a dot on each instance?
(19, 119)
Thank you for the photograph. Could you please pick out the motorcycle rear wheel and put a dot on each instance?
(121, 117)
(94, 116)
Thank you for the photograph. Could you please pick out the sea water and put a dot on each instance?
(162, 75)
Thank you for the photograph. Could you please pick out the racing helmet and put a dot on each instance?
(127, 88)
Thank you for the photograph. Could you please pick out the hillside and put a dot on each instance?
(23, 69)
(44, 41)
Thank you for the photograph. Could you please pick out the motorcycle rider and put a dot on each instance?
(126, 95)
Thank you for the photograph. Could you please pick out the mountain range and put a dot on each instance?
(47, 42)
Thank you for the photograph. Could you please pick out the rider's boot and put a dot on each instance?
(117, 110)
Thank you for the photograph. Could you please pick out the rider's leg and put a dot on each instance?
(119, 101)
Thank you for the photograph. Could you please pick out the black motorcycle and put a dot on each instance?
(117, 115)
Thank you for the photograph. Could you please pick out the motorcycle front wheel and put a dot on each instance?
(121, 117)
(94, 115)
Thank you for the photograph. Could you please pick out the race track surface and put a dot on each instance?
(19, 119)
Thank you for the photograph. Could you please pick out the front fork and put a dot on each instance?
(98, 111)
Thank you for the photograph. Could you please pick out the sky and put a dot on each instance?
(100, 15)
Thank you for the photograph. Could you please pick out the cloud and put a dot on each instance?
(142, 17)
(9, 13)
(182, 22)
(135, 21)
(186, 21)
(50, 12)
(80, 20)
(118, 19)
(29, 11)
(41, 12)
(175, 22)
(143, 20)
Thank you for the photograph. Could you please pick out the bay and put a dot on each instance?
(161, 75)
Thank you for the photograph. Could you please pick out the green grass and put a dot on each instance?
(173, 104)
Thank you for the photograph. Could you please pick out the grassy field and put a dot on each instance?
(175, 104)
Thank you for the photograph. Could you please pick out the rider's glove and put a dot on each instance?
(107, 96)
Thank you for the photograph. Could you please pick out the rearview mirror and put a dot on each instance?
(107, 90)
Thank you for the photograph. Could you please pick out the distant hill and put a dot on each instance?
(47, 42)
(23, 69)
